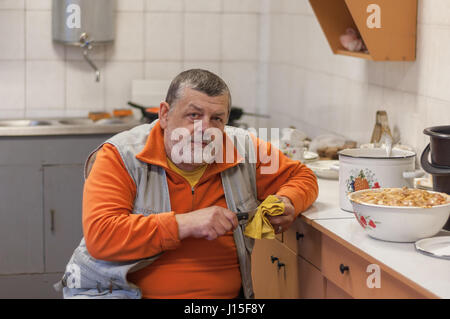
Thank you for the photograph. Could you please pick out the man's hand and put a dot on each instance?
(209, 223)
(282, 222)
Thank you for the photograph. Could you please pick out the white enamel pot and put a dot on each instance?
(365, 168)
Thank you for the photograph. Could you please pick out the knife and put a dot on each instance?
(242, 216)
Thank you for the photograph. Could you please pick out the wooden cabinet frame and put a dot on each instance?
(391, 38)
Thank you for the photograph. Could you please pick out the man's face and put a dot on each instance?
(194, 113)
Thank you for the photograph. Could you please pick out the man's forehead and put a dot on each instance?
(199, 100)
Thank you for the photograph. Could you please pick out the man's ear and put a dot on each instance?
(163, 114)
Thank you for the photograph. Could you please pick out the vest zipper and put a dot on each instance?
(192, 191)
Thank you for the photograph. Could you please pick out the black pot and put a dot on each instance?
(439, 167)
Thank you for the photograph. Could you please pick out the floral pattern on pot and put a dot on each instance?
(361, 179)
(366, 222)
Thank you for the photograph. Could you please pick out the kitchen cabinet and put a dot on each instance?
(41, 185)
(358, 277)
(388, 28)
(21, 234)
(63, 189)
(283, 269)
(316, 265)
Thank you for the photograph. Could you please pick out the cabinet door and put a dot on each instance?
(21, 239)
(63, 189)
(265, 281)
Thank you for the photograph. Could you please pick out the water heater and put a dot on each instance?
(84, 23)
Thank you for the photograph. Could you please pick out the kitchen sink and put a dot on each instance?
(65, 126)
(23, 123)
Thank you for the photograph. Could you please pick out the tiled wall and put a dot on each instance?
(155, 39)
(320, 93)
(272, 53)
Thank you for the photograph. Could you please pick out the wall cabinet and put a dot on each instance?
(388, 28)
(41, 185)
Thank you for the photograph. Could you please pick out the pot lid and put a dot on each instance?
(376, 153)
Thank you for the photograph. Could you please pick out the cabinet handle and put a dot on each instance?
(280, 265)
(343, 268)
(299, 235)
(52, 220)
(273, 259)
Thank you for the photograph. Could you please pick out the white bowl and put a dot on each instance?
(400, 223)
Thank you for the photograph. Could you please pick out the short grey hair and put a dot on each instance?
(200, 80)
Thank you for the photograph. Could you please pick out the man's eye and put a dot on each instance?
(194, 115)
(219, 119)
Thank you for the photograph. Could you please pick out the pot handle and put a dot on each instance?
(430, 168)
(413, 174)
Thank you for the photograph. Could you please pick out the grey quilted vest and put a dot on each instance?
(87, 277)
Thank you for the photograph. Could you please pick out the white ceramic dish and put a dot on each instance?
(323, 169)
(400, 223)
(436, 246)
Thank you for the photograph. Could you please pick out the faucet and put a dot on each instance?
(87, 46)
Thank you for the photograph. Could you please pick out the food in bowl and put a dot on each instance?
(402, 197)
(400, 214)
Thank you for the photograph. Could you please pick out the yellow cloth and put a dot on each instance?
(259, 226)
(191, 176)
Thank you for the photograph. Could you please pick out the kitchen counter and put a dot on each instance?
(401, 260)
(63, 126)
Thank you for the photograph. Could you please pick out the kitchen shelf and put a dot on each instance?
(394, 39)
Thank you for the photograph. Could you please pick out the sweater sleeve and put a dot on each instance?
(110, 229)
(278, 174)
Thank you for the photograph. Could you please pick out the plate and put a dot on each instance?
(323, 169)
(310, 156)
(436, 246)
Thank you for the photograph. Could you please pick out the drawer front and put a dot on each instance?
(305, 241)
(358, 277)
(334, 292)
(311, 281)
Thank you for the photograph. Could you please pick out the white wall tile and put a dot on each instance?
(203, 5)
(281, 45)
(130, 5)
(44, 113)
(129, 38)
(12, 85)
(434, 12)
(240, 39)
(163, 36)
(164, 5)
(162, 70)
(82, 92)
(214, 67)
(202, 38)
(242, 6)
(118, 78)
(12, 33)
(12, 4)
(242, 80)
(39, 42)
(12, 114)
(38, 4)
(45, 85)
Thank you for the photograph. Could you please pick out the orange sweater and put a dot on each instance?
(192, 268)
